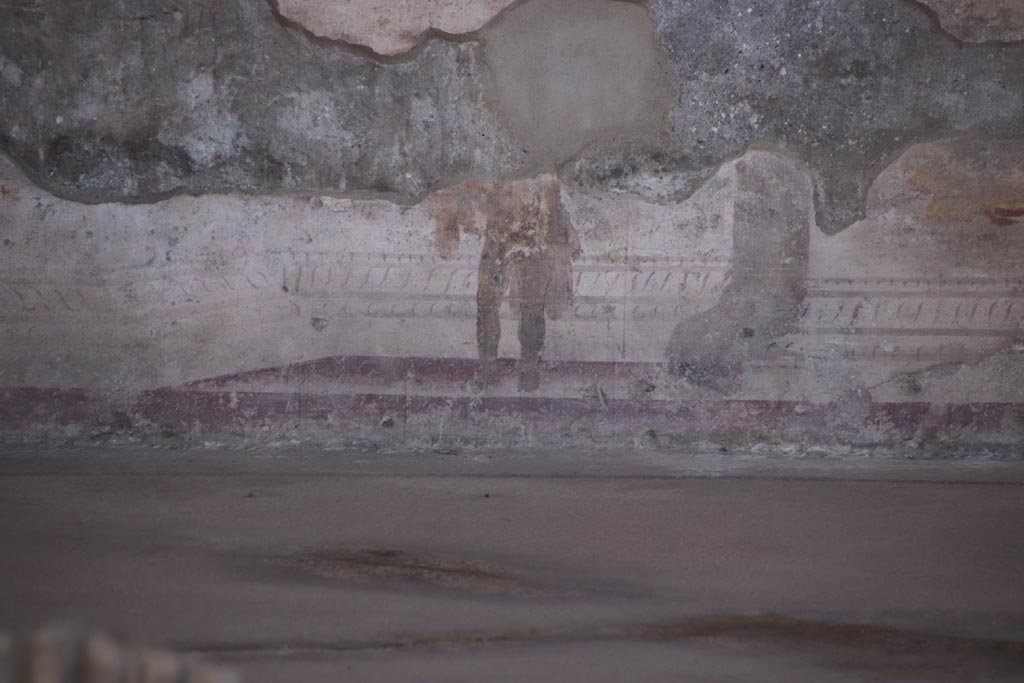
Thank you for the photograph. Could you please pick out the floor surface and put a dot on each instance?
(295, 565)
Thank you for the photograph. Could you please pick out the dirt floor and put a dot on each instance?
(302, 565)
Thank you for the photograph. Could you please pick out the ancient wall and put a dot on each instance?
(485, 222)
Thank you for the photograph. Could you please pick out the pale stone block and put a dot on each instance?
(980, 21)
(389, 27)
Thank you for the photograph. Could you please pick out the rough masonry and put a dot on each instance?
(103, 103)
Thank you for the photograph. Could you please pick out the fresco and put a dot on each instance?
(484, 222)
(728, 313)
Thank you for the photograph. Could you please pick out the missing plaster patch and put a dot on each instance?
(980, 21)
(388, 27)
(568, 73)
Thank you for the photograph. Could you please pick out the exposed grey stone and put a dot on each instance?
(108, 101)
(102, 101)
(844, 85)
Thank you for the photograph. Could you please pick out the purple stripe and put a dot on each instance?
(23, 406)
(757, 419)
(385, 370)
(920, 332)
(748, 418)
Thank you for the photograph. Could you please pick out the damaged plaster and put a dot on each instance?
(106, 101)
(369, 314)
(933, 277)
(761, 301)
(845, 86)
(980, 21)
(628, 221)
(105, 104)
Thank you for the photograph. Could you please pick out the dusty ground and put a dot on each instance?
(306, 566)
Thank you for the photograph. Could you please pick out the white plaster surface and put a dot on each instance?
(191, 287)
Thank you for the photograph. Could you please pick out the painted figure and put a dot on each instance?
(529, 243)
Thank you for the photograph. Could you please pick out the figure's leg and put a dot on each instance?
(531, 343)
(491, 286)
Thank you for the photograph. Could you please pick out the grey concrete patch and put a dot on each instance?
(569, 73)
